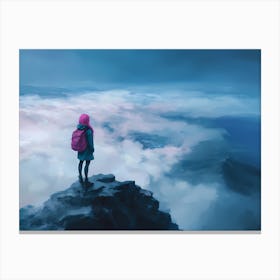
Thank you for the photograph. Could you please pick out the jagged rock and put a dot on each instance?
(108, 205)
(107, 178)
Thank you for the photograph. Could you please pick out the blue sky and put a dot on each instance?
(108, 68)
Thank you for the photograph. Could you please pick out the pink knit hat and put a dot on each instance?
(84, 120)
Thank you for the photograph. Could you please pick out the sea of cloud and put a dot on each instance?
(47, 163)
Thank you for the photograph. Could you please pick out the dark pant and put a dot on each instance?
(86, 168)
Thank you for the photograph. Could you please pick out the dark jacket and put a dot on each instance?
(87, 154)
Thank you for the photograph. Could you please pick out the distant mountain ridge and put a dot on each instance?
(49, 91)
(108, 205)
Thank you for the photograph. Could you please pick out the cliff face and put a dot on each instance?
(108, 205)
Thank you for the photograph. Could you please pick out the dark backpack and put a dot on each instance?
(79, 140)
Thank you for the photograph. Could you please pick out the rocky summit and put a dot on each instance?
(107, 205)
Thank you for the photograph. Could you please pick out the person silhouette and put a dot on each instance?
(86, 155)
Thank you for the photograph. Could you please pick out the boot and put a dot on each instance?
(88, 183)
(81, 179)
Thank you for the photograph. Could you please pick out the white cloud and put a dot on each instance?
(47, 163)
(212, 106)
(188, 203)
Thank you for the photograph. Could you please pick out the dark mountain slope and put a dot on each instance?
(108, 205)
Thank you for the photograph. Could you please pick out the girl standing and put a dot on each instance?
(87, 154)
